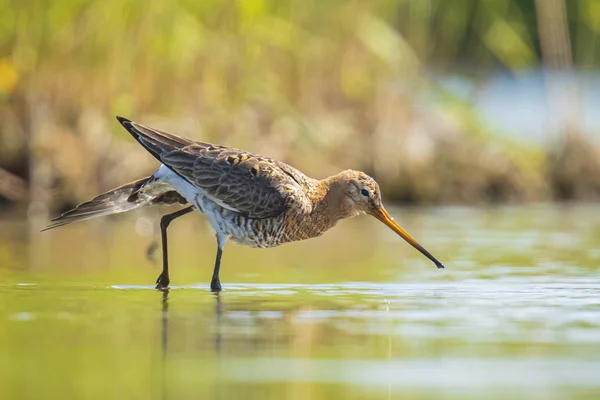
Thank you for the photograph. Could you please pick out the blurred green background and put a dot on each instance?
(469, 113)
(462, 101)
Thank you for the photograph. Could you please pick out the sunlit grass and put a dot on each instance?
(322, 85)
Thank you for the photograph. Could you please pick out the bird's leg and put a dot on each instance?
(163, 279)
(215, 284)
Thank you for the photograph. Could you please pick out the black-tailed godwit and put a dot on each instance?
(251, 199)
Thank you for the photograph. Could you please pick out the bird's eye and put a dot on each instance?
(365, 192)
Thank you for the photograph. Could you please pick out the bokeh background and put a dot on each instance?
(443, 102)
(479, 118)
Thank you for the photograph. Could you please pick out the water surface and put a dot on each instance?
(354, 314)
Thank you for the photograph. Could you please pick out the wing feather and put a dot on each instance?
(256, 186)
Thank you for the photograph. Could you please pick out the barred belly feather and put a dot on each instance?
(262, 233)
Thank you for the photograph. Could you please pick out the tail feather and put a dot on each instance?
(143, 192)
(124, 198)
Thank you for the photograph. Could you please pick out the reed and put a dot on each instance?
(344, 81)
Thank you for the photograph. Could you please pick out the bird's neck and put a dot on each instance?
(330, 204)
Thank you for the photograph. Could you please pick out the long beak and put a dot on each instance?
(382, 215)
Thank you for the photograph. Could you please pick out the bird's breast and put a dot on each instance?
(261, 233)
(291, 226)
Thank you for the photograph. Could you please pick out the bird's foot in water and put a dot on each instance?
(162, 282)
(215, 285)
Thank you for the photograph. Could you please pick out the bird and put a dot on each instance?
(250, 199)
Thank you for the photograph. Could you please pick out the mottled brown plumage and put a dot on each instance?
(251, 199)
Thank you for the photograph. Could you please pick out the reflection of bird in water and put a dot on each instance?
(251, 199)
(164, 322)
(164, 338)
(164, 329)
(218, 315)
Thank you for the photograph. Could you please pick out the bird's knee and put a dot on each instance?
(165, 222)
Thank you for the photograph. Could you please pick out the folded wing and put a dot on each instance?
(255, 186)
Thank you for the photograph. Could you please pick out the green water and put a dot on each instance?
(355, 314)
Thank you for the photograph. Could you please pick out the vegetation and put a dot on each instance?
(324, 85)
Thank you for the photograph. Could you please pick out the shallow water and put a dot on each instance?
(354, 314)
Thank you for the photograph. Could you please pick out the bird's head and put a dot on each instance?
(361, 195)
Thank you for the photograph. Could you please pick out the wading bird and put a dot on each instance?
(250, 199)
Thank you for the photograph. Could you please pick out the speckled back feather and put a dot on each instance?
(255, 186)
